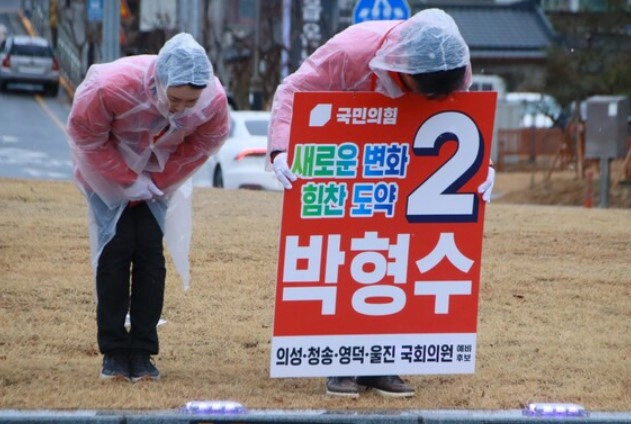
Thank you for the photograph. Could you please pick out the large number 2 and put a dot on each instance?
(437, 199)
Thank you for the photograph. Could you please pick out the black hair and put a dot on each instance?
(197, 86)
(439, 84)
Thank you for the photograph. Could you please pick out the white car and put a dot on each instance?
(537, 109)
(240, 163)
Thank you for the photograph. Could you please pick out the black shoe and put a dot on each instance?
(142, 368)
(342, 386)
(388, 385)
(115, 367)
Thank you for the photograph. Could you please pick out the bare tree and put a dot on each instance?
(231, 48)
(594, 55)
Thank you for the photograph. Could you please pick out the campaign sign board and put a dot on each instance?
(381, 236)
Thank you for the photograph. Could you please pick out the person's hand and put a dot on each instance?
(282, 171)
(153, 189)
(487, 187)
(143, 189)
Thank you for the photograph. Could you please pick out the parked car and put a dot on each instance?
(537, 110)
(28, 60)
(240, 163)
(483, 82)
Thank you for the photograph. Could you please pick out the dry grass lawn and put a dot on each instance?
(555, 308)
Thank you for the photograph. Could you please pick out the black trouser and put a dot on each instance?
(136, 250)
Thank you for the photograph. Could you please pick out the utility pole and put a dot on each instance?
(284, 55)
(256, 84)
(111, 30)
(189, 17)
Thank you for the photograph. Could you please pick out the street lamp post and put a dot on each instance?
(256, 83)
(189, 17)
(111, 30)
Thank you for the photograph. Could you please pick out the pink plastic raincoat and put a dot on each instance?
(362, 57)
(120, 127)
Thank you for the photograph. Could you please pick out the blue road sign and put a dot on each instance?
(378, 10)
(95, 10)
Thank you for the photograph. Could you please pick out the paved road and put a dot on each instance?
(32, 127)
(32, 137)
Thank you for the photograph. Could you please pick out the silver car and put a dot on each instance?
(28, 60)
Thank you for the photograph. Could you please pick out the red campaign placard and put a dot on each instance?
(381, 235)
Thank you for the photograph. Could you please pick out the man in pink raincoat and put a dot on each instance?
(425, 54)
(139, 128)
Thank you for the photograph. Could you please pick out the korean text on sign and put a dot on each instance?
(381, 235)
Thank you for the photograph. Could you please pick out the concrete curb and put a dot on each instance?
(30, 30)
(306, 416)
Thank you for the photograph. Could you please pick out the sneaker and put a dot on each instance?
(389, 385)
(115, 367)
(142, 368)
(342, 386)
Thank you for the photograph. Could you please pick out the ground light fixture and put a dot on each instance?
(554, 410)
(219, 407)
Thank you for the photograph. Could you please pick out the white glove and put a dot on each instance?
(142, 189)
(487, 187)
(282, 171)
(153, 189)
